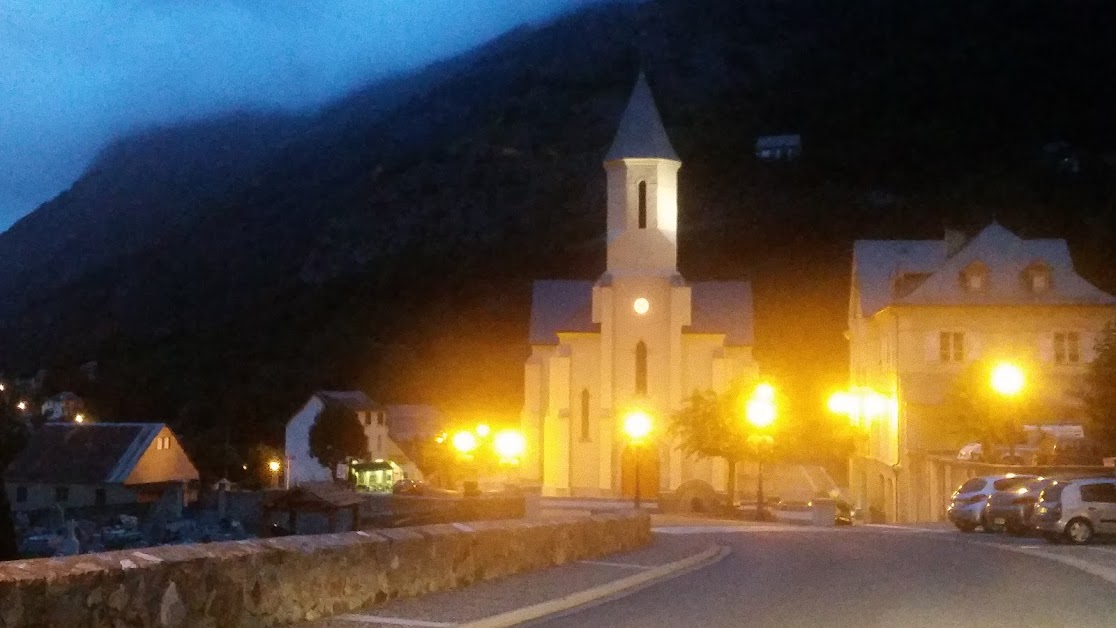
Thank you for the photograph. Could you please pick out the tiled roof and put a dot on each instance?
(640, 132)
(354, 400)
(559, 305)
(723, 307)
(70, 453)
(879, 263)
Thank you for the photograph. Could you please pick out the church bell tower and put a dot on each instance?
(642, 170)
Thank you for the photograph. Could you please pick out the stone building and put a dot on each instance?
(921, 312)
(639, 336)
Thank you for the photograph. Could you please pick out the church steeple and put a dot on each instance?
(641, 132)
(642, 170)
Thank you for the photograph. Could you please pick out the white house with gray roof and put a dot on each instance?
(923, 311)
(638, 336)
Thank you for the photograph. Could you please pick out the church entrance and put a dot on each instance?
(648, 457)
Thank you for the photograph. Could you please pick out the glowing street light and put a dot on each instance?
(760, 412)
(22, 405)
(1007, 380)
(483, 430)
(510, 446)
(274, 466)
(79, 418)
(464, 442)
(637, 426)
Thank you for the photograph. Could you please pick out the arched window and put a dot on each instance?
(641, 369)
(642, 204)
(585, 414)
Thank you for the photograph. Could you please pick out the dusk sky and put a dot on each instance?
(76, 73)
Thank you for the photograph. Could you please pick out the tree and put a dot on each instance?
(337, 436)
(713, 426)
(979, 414)
(14, 433)
(1100, 390)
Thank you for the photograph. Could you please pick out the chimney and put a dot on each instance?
(954, 240)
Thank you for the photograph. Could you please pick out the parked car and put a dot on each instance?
(1011, 510)
(966, 508)
(1077, 510)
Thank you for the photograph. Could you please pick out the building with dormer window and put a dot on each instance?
(921, 311)
(639, 336)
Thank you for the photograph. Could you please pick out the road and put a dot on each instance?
(874, 576)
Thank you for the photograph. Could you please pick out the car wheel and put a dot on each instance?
(1079, 531)
(965, 527)
(985, 526)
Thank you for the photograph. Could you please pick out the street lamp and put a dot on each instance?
(637, 425)
(1008, 380)
(79, 418)
(464, 442)
(274, 467)
(760, 412)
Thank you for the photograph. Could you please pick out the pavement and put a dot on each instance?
(710, 572)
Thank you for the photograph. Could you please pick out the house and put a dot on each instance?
(62, 407)
(779, 147)
(96, 464)
(920, 312)
(385, 460)
(639, 336)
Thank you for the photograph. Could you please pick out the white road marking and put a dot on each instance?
(1105, 573)
(463, 527)
(608, 564)
(908, 528)
(393, 621)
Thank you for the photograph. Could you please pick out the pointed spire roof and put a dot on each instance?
(641, 132)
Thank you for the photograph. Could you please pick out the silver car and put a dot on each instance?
(1077, 510)
(966, 508)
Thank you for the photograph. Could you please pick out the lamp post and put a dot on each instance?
(274, 467)
(637, 425)
(510, 445)
(1008, 380)
(760, 412)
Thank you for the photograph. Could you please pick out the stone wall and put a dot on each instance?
(268, 582)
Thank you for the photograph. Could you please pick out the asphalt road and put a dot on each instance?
(869, 576)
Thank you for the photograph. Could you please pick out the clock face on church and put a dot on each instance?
(641, 306)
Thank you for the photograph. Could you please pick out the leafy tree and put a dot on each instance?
(979, 414)
(1100, 390)
(336, 436)
(14, 433)
(713, 426)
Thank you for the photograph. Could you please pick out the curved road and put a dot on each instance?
(875, 577)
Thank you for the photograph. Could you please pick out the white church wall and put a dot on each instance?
(556, 427)
(585, 350)
(301, 466)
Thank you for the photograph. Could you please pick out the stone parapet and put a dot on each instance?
(267, 582)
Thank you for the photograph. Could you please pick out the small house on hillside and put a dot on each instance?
(384, 463)
(62, 407)
(100, 464)
(778, 147)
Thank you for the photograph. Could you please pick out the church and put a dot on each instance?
(639, 337)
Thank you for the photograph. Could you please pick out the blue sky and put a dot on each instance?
(76, 73)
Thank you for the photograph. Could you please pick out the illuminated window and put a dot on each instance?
(585, 414)
(974, 277)
(951, 346)
(641, 368)
(642, 204)
(1067, 347)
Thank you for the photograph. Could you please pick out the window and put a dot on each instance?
(641, 368)
(585, 414)
(379, 418)
(21, 494)
(951, 346)
(99, 497)
(1040, 282)
(365, 417)
(61, 493)
(972, 486)
(974, 277)
(1105, 493)
(974, 281)
(379, 443)
(1067, 347)
(642, 204)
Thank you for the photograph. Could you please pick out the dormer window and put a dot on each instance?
(1037, 277)
(975, 277)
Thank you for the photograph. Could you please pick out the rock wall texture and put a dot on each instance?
(267, 582)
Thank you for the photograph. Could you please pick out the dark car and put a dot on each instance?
(1010, 510)
(409, 487)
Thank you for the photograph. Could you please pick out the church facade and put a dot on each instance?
(638, 337)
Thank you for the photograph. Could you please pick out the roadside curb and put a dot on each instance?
(543, 609)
